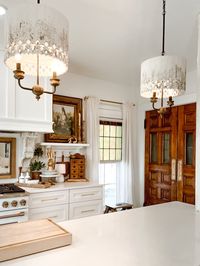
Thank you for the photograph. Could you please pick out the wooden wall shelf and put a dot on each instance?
(65, 145)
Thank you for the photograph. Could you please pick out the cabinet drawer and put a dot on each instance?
(48, 198)
(56, 213)
(84, 209)
(84, 194)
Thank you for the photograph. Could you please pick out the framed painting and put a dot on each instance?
(67, 120)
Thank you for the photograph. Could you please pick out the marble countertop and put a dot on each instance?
(160, 235)
(63, 186)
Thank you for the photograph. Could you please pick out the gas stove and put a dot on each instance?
(10, 188)
(13, 204)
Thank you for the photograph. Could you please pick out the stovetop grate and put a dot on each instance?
(10, 188)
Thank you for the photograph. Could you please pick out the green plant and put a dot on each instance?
(36, 165)
(38, 151)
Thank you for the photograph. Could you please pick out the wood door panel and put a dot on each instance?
(188, 198)
(178, 128)
(189, 181)
(158, 185)
(187, 125)
(190, 116)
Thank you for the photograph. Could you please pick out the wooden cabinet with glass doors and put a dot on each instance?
(170, 155)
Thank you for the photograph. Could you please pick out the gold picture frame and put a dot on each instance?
(67, 120)
(7, 158)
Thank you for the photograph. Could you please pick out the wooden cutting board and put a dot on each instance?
(21, 239)
(39, 185)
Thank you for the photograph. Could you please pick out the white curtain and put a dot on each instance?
(125, 179)
(92, 129)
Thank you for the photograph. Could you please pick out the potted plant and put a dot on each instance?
(37, 163)
(35, 168)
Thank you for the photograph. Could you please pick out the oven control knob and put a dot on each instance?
(14, 203)
(23, 202)
(5, 204)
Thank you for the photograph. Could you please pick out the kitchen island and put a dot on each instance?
(160, 235)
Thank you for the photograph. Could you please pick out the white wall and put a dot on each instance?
(79, 86)
(144, 105)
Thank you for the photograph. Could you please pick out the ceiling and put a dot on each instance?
(109, 39)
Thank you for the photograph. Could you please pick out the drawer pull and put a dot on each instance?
(91, 210)
(53, 217)
(87, 194)
(49, 199)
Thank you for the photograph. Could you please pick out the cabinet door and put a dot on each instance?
(160, 157)
(84, 194)
(56, 213)
(50, 198)
(19, 110)
(85, 208)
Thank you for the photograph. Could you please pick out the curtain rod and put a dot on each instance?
(106, 101)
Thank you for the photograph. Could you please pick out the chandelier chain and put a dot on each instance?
(163, 32)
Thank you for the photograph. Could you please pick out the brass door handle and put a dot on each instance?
(13, 215)
(173, 170)
(180, 170)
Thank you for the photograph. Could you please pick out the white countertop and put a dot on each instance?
(161, 235)
(63, 186)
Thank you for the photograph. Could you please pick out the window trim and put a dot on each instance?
(111, 123)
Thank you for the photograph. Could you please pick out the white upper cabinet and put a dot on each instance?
(19, 109)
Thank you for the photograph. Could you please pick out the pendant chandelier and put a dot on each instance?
(163, 76)
(37, 45)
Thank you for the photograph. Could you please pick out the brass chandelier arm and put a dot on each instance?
(24, 88)
(29, 89)
(162, 110)
(37, 89)
(51, 92)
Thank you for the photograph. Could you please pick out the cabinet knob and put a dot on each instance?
(23, 202)
(14, 203)
(5, 204)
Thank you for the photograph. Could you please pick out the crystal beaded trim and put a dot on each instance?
(167, 75)
(28, 37)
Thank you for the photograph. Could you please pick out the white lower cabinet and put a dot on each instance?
(85, 202)
(55, 213)
(52, 205)
(84, 209)
(84, 194)
(70, 203)
(48, 198)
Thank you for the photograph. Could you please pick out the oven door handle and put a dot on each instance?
(19, 214)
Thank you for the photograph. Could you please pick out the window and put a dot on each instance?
(110, 157)
(110, 141)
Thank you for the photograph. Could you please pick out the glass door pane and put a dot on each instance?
(166, 148)
(189, 148)
(154, 148)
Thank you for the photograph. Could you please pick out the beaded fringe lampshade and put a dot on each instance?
(163, 76)
(42, 31)
(163, 72)
(37, 44)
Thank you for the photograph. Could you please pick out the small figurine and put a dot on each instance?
(51, 159)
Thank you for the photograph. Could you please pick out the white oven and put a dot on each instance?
(13, 209)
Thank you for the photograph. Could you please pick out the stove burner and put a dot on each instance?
(10, 188)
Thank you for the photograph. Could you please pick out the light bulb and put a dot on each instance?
(2, 10)
(18, 58)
